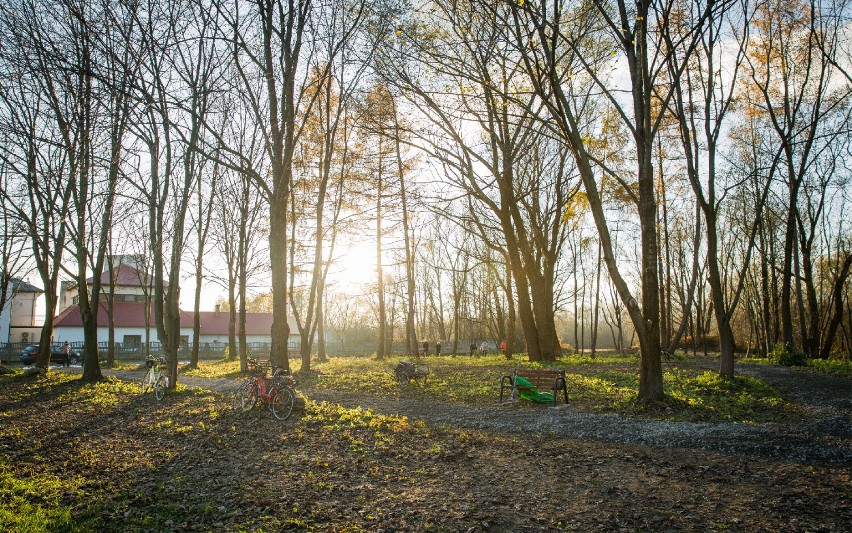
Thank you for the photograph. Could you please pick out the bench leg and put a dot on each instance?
(508, 398)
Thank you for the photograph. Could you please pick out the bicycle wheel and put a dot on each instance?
(160, 386)
(237, 399)
(401, 376)
(282, 403)
(249, 395)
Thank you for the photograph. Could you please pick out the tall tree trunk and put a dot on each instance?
(380, 281)
(511, 320)
(411, 333)
(800, 300)
(837, 298)
(322, 356)
(111, 308)
(233, 350)
(597, 303)
(723, 324)
(765, 295)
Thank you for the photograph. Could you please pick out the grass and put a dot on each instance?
(608, 383)
(832, 366)
(33, 501)
(840, 367)
(224, 368)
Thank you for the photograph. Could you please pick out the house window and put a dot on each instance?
(132, 341)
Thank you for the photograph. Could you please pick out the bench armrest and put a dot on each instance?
(507, 382)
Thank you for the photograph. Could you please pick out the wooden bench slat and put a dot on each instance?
(552, 381)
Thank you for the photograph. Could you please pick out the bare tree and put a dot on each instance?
(13, 246)
(701, 101)
(564, 52)
(166, 192)
(272, 43)
(323, 159)
(485, 134)
(197, 62)
(43, 132)
(792, 68)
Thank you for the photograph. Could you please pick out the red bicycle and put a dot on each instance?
(277, 392)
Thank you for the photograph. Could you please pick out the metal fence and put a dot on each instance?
(11, 351)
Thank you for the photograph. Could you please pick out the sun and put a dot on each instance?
(356, 267)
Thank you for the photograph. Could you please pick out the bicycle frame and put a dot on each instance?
(155, 378)
(276, 392)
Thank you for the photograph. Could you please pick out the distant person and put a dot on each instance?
(472, 348)
(504, 347)
(438, 348)
(483, 349)
(425, 347)
(66, 349)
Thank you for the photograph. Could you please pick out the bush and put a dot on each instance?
(832, 366)
(709, 342)
(785, 355)
(566, 349)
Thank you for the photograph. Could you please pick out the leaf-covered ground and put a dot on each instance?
(106, 458)
(606, 384)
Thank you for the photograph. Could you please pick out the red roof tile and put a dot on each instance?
(126, 276)
(132, 315)
(125, 314)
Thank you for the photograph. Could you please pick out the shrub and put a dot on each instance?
(786, 355)
(832, 366)
(709, 342)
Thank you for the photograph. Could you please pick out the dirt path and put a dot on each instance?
(826, 436)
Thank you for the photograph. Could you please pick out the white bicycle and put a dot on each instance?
(155, 378)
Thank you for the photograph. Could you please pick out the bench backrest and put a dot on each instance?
(540, 377)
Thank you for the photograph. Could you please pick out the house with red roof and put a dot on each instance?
(133, 315)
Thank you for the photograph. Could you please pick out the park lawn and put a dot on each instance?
(841, 367)
(608, 383)
(102, 457)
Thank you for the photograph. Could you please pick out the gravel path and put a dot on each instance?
(826, 437)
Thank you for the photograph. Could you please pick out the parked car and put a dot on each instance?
(30, 352)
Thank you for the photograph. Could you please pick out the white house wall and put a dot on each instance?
(75, 334)
(5, 315)
(23, 311)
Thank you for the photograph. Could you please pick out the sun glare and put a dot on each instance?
(356, 267)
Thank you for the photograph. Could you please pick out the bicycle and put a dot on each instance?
(278, 392)
(239, 399)
(405, 372)
(155, 378)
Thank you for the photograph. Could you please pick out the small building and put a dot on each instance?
(133, 327)
(133, 315)
(19, 321)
